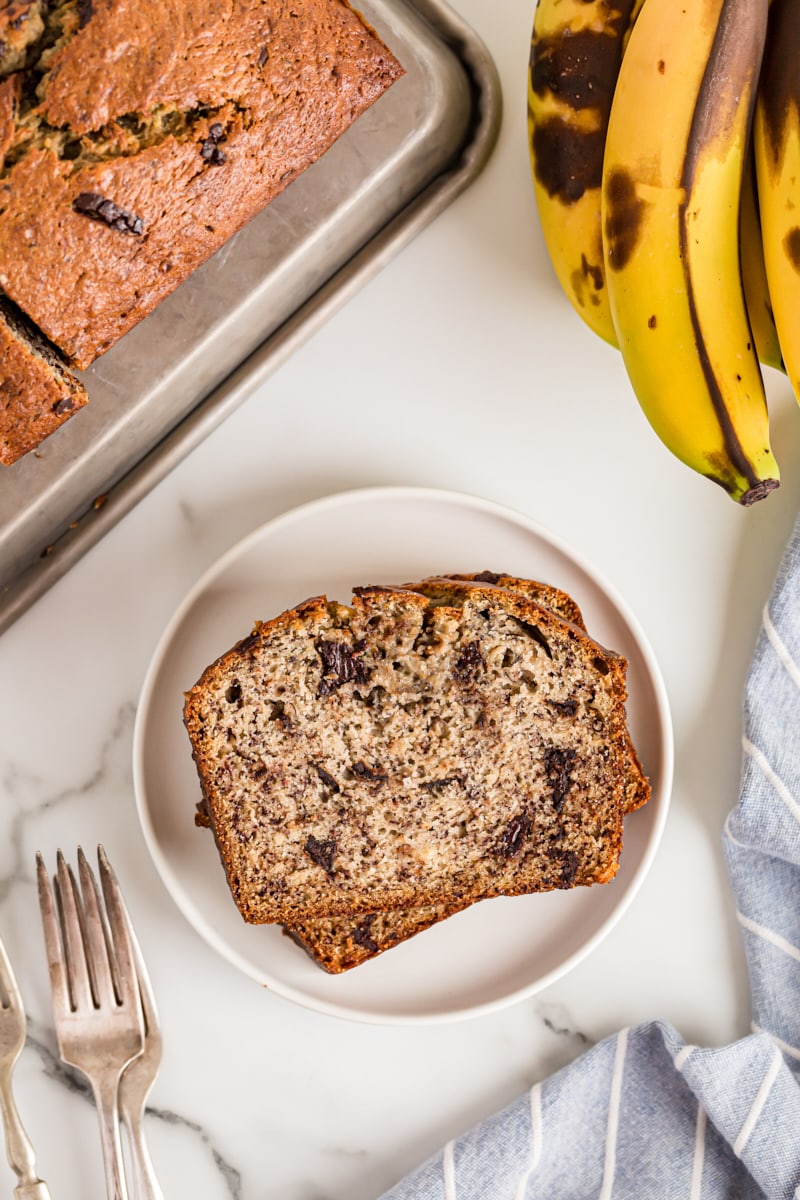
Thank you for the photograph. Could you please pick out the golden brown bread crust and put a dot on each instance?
(541, 593)
(37, 392)
(338, 944)
(158, 132)
(325, 799)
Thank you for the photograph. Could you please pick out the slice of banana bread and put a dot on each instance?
(410, 751)
(37, 391)
(340, 943)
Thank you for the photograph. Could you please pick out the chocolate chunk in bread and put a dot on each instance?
(384, 684)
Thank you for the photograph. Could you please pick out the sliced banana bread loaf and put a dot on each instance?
(136, 138)
(410, 751)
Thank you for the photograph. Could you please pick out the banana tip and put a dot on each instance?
(759, 491)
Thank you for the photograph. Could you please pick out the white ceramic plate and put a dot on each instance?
(388, 535)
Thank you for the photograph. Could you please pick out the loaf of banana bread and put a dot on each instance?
(408, 751)
(139, 137)
(135, 139)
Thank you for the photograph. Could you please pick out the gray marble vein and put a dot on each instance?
(76, 1084)
(558, 1021)
(18, 784)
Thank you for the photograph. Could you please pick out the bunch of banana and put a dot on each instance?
(669, 209)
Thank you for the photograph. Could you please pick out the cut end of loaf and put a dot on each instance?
(38, 393)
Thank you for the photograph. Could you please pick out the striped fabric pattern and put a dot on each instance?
(644, 1115)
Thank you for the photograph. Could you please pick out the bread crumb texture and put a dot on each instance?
(418, 748)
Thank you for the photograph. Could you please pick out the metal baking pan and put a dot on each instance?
(182, 370)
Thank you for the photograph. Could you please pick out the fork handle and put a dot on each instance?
(19, 1150)
(105, 1098)
(32, 1191)
(145, 1184)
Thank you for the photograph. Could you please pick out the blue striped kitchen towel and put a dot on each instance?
(643, 1115)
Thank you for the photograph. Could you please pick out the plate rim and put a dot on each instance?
(388, 493)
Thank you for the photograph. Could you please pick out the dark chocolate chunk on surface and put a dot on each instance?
(100, 208)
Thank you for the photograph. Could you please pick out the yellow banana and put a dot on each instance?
(776, 139)
(576, 49)
(677, 141)
(754, 275)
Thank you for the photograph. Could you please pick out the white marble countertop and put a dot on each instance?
(460, 366)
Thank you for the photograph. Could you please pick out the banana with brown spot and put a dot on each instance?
(776, 139)
(576, 50)
(677, 141)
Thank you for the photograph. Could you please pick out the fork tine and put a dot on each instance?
(148, 1001)
(146, 996)
(120, 936)
(99, 1039)
(52, 940)
(78, 968)
(98, 950)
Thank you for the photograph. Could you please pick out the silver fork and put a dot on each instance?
(138, 1076)
(96, 1007)
(19, 1150)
